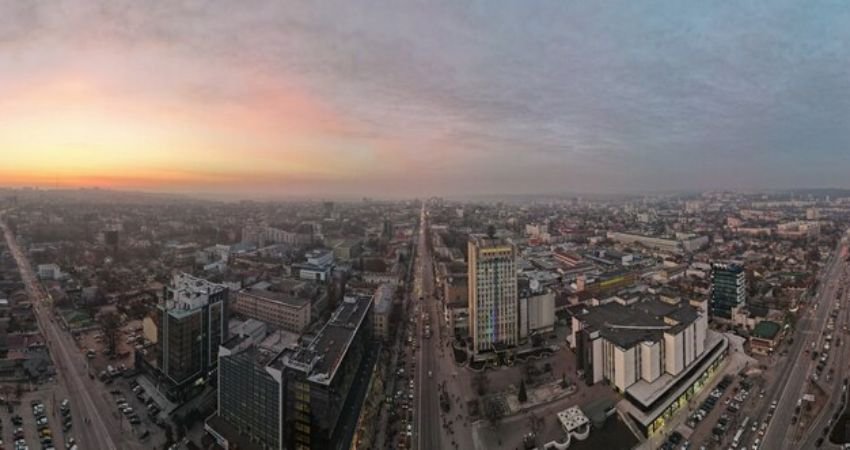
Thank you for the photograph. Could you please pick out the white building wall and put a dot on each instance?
(688, 342)
(619, 369)
(541, 312)
(597, 360)
(525, 318)
(650, 361)
(624, 368)
(701, 325)
(673, 352)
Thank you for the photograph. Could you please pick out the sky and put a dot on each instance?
(266, 99)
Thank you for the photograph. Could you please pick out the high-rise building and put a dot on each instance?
(728, 289)
(248, 414)
(494, 323)
(320, 379)
(192, 325)
(300, 397)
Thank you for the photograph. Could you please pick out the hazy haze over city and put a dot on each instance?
(264, 99)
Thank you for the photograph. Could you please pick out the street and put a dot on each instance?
(94, 428)
(789, 390)
(426, 401)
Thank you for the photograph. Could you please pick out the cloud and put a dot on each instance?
(473, 97)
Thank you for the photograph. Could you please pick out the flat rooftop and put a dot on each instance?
(189, 293)
(384, 298)
(572, 418)
(643, 320)
(291, 297)
(322, 357)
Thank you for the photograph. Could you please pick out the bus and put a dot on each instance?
(737, 439)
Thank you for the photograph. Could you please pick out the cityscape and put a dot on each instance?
(371, 225)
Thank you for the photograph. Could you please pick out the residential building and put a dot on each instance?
(492, 294)
(382, 310)
(728, 289)
(49, 272)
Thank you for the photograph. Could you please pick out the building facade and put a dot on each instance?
(728, 289)
(192, 325)
(302, 397)
(659, 354)
(493, 305)
(382, 310)
(285, 310)
(249, 395)
(319, 378)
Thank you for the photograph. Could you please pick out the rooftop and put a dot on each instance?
(766, 329)
(572, 418)
(384, 298)
(627, 325)
(188, 293)
(288, 293)
(322, 357)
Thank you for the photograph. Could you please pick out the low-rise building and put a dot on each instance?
(49, 272)
(289, 307)
(318, 266)
(765, 337)
(382, 310)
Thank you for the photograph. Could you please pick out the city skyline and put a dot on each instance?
(391, 100)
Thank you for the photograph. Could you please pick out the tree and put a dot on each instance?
(522, 396)
(480, 382)
(110, 323)
(493, 411)
(491, 231)
(169, 436)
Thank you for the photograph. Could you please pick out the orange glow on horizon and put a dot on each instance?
(71, 132)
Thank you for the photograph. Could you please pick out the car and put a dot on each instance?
(676, 437)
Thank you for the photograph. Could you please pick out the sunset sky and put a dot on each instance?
(264, 99)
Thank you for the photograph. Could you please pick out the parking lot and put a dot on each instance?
(138, 411)
(39, 420)
(724, 419)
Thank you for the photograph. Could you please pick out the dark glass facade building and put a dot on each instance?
(191, 325)
(728, 289)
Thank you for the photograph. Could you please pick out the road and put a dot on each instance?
(833, 386)
(70, 364)
(426, 399)
(790, 389)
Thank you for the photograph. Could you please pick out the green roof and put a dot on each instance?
(766, 329)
